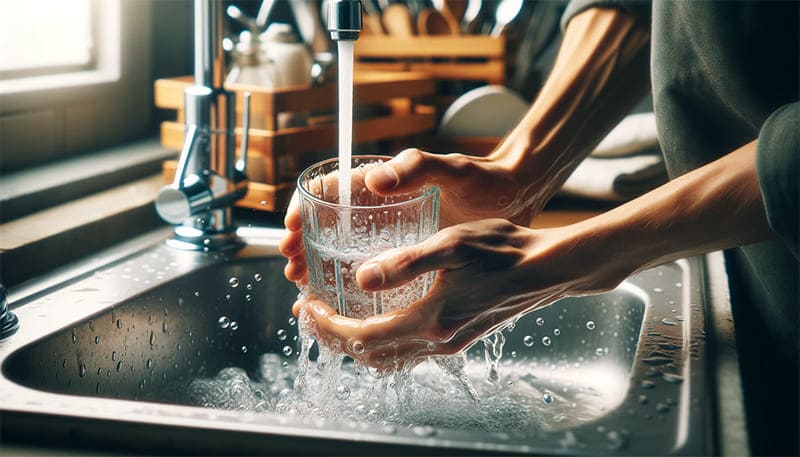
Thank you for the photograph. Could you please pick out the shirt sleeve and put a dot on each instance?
(639, 8)
(778, 167)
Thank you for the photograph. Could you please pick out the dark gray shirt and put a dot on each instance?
(723, 74)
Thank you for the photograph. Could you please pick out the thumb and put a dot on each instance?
(412, 169)
(400, 265)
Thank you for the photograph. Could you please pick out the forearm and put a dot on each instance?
(716, 206)
(600, 73)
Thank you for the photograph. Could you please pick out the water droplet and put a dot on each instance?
(113, 356)
(234, 282)
(249, 286)
(119, 366)
(643, 399)
(152, 338)
(197, 293)
(119, 323)
(165, 327)
(287, 351)
(546, 340)
(248, 297)
(424, 430)
(234, 326)
(658, 290)
(281, 334)
(292, 321)
(599, 351)
(590, 325)
(244, 349)
(647, 384)
(342, 392)
(527, 341)
(539, 321)
(224, 322)
(662, 408)
(513, 354)
(672, 378)
(264, 202)
(82, 370)
(547, 398)
(556, 332)
(669, 322)
(97, 340)
(149, 363)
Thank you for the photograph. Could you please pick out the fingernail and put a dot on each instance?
(384, 177)
(371, 275)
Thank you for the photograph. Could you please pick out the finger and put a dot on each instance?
(296, 269)
(398, 266)
(292, 220)
(291, 245)
(412, 169)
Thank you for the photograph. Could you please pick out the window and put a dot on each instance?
(62, 40)
(75, 76)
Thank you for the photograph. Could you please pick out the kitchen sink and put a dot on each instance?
(113, 356)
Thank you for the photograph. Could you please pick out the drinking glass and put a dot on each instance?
(340, 236)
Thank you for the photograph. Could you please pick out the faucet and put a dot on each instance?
(208, 179)
(344, 19)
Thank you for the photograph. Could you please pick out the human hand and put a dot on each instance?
(471, 188)
(489, 271)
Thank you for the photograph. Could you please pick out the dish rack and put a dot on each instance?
(387, 107)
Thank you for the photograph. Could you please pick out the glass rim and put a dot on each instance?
(426, 191)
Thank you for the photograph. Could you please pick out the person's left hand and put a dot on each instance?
(489, 271)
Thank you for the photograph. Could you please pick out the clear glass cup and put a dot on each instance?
(339, 238)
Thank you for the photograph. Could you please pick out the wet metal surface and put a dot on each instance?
(108, 356)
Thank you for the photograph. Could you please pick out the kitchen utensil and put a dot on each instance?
(433, 22)
(249, 23)
(263, 13)
(506, 12)
(472, 15)
(397, 20)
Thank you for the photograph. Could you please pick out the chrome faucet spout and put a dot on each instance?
(209, 179)
(344, 19)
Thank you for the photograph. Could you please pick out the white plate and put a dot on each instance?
(488, 111)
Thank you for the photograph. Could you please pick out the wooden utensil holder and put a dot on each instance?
(386, 107)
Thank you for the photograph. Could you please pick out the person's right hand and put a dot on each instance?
(471, 188)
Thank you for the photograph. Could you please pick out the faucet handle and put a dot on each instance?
(241, 164)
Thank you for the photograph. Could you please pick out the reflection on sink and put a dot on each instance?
(616, 372)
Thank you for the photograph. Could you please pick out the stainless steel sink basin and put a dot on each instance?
(108, 358)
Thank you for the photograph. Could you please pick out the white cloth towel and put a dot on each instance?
(624, 165)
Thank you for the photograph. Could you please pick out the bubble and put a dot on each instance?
(590, 325)
(244, 349)
(342, 392)
(281, 334)
(228, 297)
(263, 203)
(527, 341)
(248, 297)
(287, 351)
(258, 277)
(539, 321)
(556, 332)
(546, 340)
(599, 351)
(292, 321)
(197, 293)
(547, 398)
(356, 346)
(234, 282)
(224, 322)
(249, 286)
